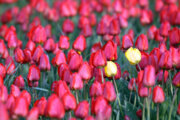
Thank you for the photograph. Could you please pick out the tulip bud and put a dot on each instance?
(64, 42)
(61, 88)
(99, 59)
(158, 95)
(33, 114)
(110, 69)
(133, 55)
(127, 42)
(33, 76)
(80, 43)
(96, 89)
(2, 70)
(54, 107)
(59, 58)
(44, 63)
(69, 101)
(85, 71)
(149, 76)
(49, 45)
(68, 26)
(176, 80)
(4, 113)
(142, 42)
(82, 109)
(110, 50)
(76, 82)
(109, 91)
(41, 105)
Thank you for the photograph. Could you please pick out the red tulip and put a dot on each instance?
(69, 101)
(99, 59)
(61, 89)
(162, 47)
(89, 118)
(176, 80)
(75, 61)
(4, 113)
(80, 43)
(1, 81)
(143, 91)
(102, 28)
(33, 114)
(92, 19)
(131, 85)
(3, 47)
(159, 5)
(41, 105)
(82, 109)
(175, 56)
(87, 30)
(31, 46)
(10, 65)
(83, 21)
(64, 42)
(76, 82)
(19, 55)
(139, 113)
(165, 60)
(105, 114)
(2, 70)
(151, 32)
(142, 42)
(127, 42)
(95, 47)
(38, 34)
(54, 107)
(9, 102)
(68, 26)
(59, 58)
(3, 93)
(49, 45)
(146, 17)
(15, 91)
(174, 36)
(164, 28)
(44, 63)
(37, 54)
(125, 75)
(110, 50)
(84, 9)
(158, 95)
(162, 76)
(149, 76)
(109, 91)
(114, 27)
(20, 107)
(61, 68)
(96, 89)
(33, 76)
(26, 95)
(48, 30)
(85, 71)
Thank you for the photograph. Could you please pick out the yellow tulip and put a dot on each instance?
(110, 69)
(133, 55)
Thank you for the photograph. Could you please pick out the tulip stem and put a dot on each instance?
(130, 96)
(157, 112)
(117, 94)
(134, 101)
(77, 97)
(139, 66)
(172, 104)
(143, 115)
(102, 77)
(148, 108)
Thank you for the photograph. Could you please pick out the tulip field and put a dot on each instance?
(89, 59)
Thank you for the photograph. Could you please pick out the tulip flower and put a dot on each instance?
(61, 88)
(127, 42)
(19, 55)
(142, 42)
(54, 107)
(4, 113)
(165, 60)
(2, 70)
(76, 82)
(59, 58)
(31, 45)
(96, 89)
(85, 71)
(110, 50)
(33, 76)
(41, 105)
(37, 53)
(10, 65)
(99, 59)
(3, 94)
(158, 95)
(82, 109)
(176, 80)
(44, 63)
(75, 61)
(33, 114)
(26, 95)
(68, 26)
(80, 43)
(15, 91)
(49, 45)
(64, 42)
(149, 76)
(110, 69)
(69, 101)
(133, 55)
(174, 36)
(109, 91)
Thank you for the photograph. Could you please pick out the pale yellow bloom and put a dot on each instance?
(133, 55)
(110, 69)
